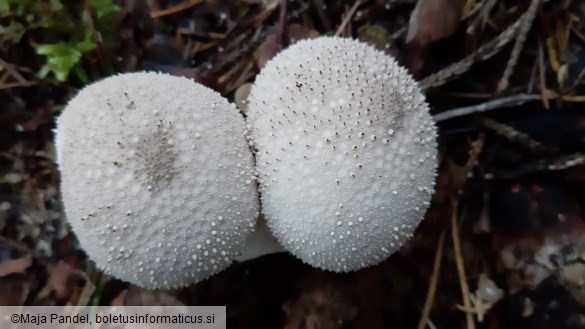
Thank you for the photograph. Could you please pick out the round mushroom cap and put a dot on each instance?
(156, 178)
(345, 151)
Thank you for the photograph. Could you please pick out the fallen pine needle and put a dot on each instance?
(460, 267)
(485, 52)
(175, 9)
(347, 18)
(527, 20)
(429, 301)
(514, 100)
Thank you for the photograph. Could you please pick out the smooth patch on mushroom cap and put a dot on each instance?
(345, 151)
(156, 178)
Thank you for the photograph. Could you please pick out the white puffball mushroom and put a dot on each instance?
(156, 178)
(345, 151)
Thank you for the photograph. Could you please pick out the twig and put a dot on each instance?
(16, 85)
(517, 137)
(429, 301)
(487, 106)
(532, 82)
(484, 52)
(541, 77)
(557, 164)
(12, 71)
(174, 9)
(483, 16)
(460, 266)
(234, 69)
(573, 98)
(525, 26)
(577, 81)
(95, 38)
(280, 25)
(243, 44)
(470, 8)
(243, 76)
(480, 308)
(347, 17)
(486, 11)
(578, 33)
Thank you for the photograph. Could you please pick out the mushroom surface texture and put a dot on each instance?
(156, 178)
(345, 151)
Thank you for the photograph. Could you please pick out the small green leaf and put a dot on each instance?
(81, 74)
(85, 46)
(104, 7)
(62, 57)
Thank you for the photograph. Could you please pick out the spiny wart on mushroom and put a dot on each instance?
(156, 178)
(345, 149)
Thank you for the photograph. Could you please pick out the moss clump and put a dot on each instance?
(59, 31)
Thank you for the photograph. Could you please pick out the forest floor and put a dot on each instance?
(503, 243)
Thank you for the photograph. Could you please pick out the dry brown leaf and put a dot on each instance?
(13, 290)
(16, 266)
(433, 20)
(298, 32)
(135, 296)
(63, 280)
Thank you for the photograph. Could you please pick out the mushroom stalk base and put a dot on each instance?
(261, 242)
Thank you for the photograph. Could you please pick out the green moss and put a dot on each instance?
(66, 27)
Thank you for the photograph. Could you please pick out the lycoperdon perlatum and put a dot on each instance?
(157, 178)
(345, 151)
